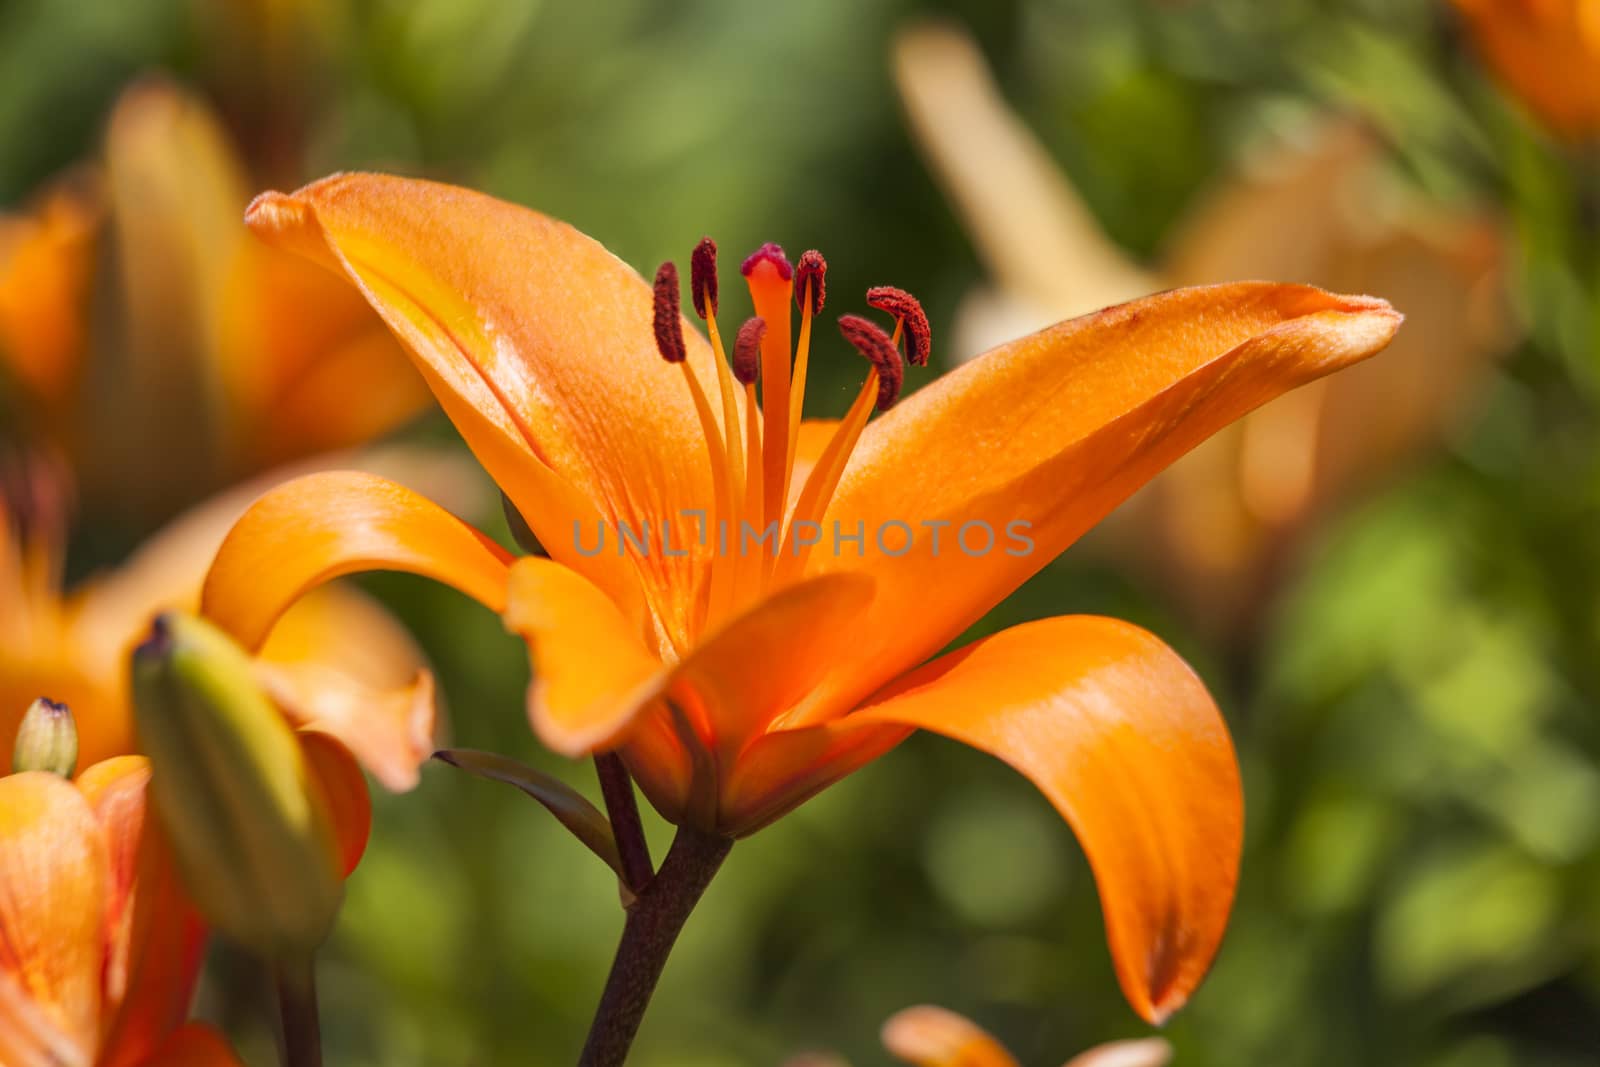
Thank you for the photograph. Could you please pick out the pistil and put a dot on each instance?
(771, 281)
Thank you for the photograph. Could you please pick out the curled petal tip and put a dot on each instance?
(273, 210)
(289, 221)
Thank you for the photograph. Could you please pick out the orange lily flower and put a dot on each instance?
(1320, 208)
(160, 348)
(933, 1037)
(737, 683)
(99, 949)
(1547, 53)
(340, 667)
(99, 946)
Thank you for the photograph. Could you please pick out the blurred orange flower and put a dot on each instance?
(161, 348)
(1547, 53)
(99, 949)
(933, 1037)
(339, 667)
(737, 682)
(1217, 528)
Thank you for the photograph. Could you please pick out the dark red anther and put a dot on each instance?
(747, 349)
(703, 277)
(812, 271)
(768, 253)
(668, 319)
(905, 307)
(873, 343)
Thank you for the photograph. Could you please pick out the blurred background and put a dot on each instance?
(1391, 584)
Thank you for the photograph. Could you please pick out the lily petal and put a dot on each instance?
(337, 662)
(587, 657)
(338, 778)
(327, 525)
(1142, 1052)
(1046, 435)
(155, 935)
(812, 437)
(307, 366)
(1284, 215)
(1119, 734)
(173, 192)
(1544, 53)
(538, 344)
(1113, 728)
(46, 263)
(54, 886)
(933, 1037)
(742, 678)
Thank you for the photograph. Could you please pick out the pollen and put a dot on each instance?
(703, 278)
(907, 309)
(811, 279)
(881, 352)
(668, 320)
(747, 350)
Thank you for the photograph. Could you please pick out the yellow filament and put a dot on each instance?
(730, 415)
(717, 601)
(748, 571)
(797, 388)
(824, 478)
(736, 463)
(817, 493)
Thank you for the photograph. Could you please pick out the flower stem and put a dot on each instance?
(651, 929)
(297, 1010)
(623, 810)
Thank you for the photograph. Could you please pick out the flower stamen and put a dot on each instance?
(703, 292)
(668, 325)
(810, 290)
(667, 320)
(881, 352)
(909, 316)
(879, 392)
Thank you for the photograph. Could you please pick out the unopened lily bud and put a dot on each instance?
(47, 740)
(253, 839)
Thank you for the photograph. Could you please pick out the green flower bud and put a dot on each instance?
(253, 839)
(47, 740)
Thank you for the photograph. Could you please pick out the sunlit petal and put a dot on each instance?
(155, 935)
(587, 657)
(54, 886)
(538, 344)
(338, 662)
(327, 525)
(1022, 450)
(1113, 728)
(1116, 730)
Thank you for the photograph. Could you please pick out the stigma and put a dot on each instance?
(760, 396)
